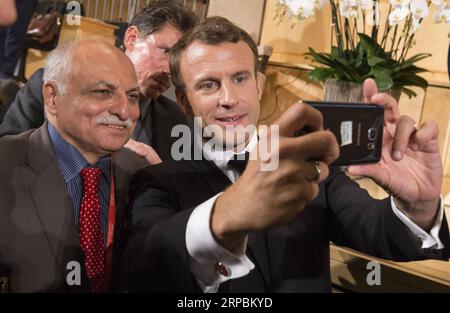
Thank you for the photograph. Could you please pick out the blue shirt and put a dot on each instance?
(70, 163)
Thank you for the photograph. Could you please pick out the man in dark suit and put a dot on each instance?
(147, 42)
(64, 184)
(199, 225)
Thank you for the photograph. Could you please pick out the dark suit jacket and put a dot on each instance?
(290, 258)
(38, 234)
(157, 118)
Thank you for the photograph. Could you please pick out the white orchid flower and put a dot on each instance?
(400, 3)
(293, 5)
(349, 8)
(296, 5)
(443, 15)
(301, 8)
(439, 3)
(419, 9)
(415, 25)
(398, 15)
(365, 4)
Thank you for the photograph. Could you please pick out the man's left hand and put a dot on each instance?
(411, 167)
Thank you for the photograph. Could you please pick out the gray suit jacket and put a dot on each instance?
(38, 234)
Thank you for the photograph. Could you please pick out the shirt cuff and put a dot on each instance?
(210, 263)
(429, 240)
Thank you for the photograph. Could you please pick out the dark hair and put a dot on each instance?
(160, 12)
(213, 31)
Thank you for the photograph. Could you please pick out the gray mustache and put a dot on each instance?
(113, 120)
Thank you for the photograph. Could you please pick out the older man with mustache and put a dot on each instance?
(148, 41)
(64, 184)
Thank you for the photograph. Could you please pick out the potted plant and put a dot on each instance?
(366, 50)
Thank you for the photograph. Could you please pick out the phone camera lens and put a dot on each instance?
(372, 134)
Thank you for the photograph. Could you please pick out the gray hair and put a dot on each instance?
(58, 65)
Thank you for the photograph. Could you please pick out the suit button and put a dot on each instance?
(222, 269)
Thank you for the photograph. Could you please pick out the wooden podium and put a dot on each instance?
(87, 28)
(349, 272)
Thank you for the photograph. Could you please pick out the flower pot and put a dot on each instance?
(344, 91)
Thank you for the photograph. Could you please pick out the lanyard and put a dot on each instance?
(111, 214)
(110, 231)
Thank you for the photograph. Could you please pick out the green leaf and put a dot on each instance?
(334, 52)
(417, 57)
(322, 58)
(416, 70)
(412, 70)
(375, 61)
(409, 62)
(382, 78)
(409, 92)
(360, 56)
(349, 71)
(411, 80)
(321, 74)
(371, 46)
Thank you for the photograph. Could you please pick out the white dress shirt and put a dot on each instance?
(206, 257)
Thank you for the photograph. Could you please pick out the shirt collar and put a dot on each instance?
(221, 157)
(70, 160)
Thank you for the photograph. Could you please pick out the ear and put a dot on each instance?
(131, 36)
(50, 94)
(183, 102)
(260, 83)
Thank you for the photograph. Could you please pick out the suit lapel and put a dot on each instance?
(217, 182)
(213, 177)
(124, 164)
(120, 198)
(51, 199)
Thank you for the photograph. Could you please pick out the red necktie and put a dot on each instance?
(90, 233)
